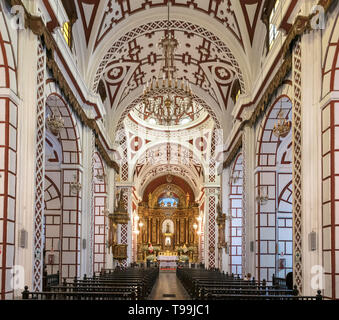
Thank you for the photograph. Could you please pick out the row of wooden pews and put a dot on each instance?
(202, 284)
(127, 284)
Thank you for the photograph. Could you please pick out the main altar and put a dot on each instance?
(169, 218)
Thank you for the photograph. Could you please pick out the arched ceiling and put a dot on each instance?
(163, 180)
(119, 46)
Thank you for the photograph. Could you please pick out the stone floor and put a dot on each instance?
(168, 287)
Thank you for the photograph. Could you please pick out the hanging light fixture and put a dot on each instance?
(283, 126)
(168, 101)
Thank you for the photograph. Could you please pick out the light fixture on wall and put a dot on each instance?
(283, 126)
(262, 197)
(75, 185)
(55, 123)
(234, 177)
(195, 226)
(100, 177)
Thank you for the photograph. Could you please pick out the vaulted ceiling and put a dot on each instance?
(117, 41)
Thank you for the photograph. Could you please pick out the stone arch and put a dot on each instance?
(271, 178)
(69, 173)
(236, 224)
(69, 135)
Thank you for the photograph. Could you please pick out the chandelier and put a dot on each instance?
(282, 127)
(170, 100)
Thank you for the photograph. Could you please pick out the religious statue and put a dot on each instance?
(168, 228)
(187, 199)
(120, 200)
(150, 199)
(219, 211)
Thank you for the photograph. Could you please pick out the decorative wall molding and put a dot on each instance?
(38, 27)
(39, 171)
(297, 167)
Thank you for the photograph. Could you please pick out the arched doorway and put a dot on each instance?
(273, 176)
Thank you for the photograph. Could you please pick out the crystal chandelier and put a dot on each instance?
(168, 101)
(282, 127)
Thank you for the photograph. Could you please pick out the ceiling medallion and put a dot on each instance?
(168, 101)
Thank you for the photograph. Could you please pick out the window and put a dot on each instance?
(273, 32)
(236, 91)
(67, 32)
(168, 202)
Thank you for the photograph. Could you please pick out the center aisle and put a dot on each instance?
(168, 287)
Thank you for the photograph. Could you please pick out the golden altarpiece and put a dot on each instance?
(169, 224)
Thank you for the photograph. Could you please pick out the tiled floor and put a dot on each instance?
(168, 284)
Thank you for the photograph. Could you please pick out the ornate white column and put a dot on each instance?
(311, 117)
(211, 230)
(26, 142)
(87, 221)
(249, 237)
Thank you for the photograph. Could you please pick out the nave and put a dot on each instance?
(152, 148)
(136, 284)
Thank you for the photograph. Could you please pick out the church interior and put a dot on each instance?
(169, 149)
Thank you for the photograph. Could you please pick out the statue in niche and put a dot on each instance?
(219, 211)
(168, 228)
(168, 241)
(120, 202)
(187, 199)
(150, 199)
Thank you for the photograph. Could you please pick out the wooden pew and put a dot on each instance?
(129, 284)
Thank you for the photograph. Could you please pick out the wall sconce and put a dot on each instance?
(262, 198)
(195, 226)
(101, 177)
(234, 178)
(141, 224)
(55, 123)
(75, 185)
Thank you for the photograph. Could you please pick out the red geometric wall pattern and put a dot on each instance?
(297, 164)
(71, 200)
(211, 226)
(99, 246)
(236, 223)
(330, 156)
(8, 154)
(267, 184)
(192, 68)
(39, 172)
(52, 218)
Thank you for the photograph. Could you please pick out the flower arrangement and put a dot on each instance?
(183, 258)
(151, 257)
